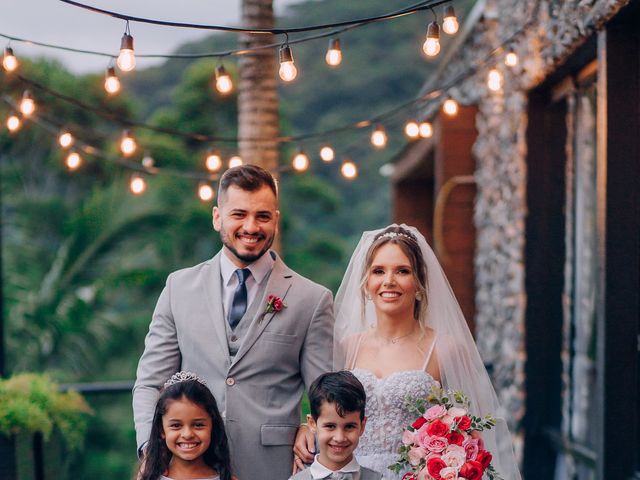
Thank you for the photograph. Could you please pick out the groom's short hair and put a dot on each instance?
(246, 177)
(342, 389)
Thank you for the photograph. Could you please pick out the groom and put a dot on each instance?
(257, 332)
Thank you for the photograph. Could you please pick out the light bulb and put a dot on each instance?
(27, 104)
(494, 80)
(288, 70)
(111, 81)
(128, 144)
(137, 184)
(205, 192)
(73, 161)
(450, 107)
(235, 161)
(431, 46)
(9, 61)
(334, 53)
(300, 161)
(65, 139)
(148, 161)
(450, 22)
(327, 154)
(379, 137)
(511, 59)
(224, 84)
(213, 162)
(426, 130)
(349, 170)
(126, 59)
(13, 123)
(411, 129)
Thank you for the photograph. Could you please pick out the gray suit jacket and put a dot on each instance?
(259, 392)
(365, 474)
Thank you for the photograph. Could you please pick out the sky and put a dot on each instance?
(55, 22)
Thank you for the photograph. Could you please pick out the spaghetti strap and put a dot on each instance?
(426, 361)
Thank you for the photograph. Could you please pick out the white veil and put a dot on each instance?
(461, 367)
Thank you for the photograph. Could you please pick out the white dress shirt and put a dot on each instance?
(318, 471)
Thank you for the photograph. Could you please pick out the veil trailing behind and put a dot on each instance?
(461, 367)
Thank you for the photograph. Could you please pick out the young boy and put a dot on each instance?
(337, 420)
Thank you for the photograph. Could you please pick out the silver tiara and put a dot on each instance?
(395, 234)
(183, 376)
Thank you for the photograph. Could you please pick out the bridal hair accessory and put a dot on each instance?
(183, 376)
(394, 235)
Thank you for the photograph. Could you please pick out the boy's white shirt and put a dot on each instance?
(318, 471)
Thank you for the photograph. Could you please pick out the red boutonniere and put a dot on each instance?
(274, 304)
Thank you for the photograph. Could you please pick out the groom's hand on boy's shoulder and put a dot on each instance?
(303, 448)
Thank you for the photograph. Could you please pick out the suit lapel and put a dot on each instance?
(212, 286)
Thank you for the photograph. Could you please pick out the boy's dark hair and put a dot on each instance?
(246, 177)
(158, 456)
(342, 389)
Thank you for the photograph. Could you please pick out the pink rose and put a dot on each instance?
(472, 470)
(434, 465)
(454, 456)
(448, 419)
(457, 412)
(435, 444)
(416, 454)
(471, 447)
(437, 428)
(435, 412)
(421, 435)
(449, 473)
(408, 437)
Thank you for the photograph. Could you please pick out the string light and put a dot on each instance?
(65, 139)
(224, 84)
(13, 123)
(450, 107)
(73, 161)
(334, 53)
(128, 144)
(137, 184)
(205, 192)
(450, 21)
(27, 104)
(235, 161)
(126, 59)
(327, 154)
(431, 46)
(511, 59)
(494, 80)
(147, 161)
(9, 60)
(300, 161)
(111, 81)
(411, 129)
(213, 161)
(349, 170)
(426, 130)
(379, 136)
(288, 71)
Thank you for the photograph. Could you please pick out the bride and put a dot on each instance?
(400, 330)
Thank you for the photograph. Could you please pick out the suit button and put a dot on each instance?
(231, 381)
(233, 338)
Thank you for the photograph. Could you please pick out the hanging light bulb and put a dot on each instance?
(431, 46)
(411, 129)
(65, 139)
(327, 154)
(13, 123)
(205, 192)
(213, 161)
(73, 161)
(379, 136)
(334, 53)
(147, 161)
(288, 70)
(494, 80)
(111, 81)
(450, 21)
(9, 61)
(27, 104)
(300, 161)
(511, 59)
(128, 144)
(137, 184)
(126, 59)
(235, 161)
(349, 170)
(426, 129)
(224, 84)
(450, 107)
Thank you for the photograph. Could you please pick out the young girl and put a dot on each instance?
(188, 439)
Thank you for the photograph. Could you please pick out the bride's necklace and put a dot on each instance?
(394, 340)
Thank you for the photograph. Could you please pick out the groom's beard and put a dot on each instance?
(247, 257)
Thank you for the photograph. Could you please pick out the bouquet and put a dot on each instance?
(444, 442)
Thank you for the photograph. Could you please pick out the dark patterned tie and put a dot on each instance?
(239, 303)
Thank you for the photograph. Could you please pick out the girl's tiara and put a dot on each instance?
(183, 376)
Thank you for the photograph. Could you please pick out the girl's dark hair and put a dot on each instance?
(158, 456)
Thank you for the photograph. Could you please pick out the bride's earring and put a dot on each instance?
(367, 296)
(419, 296)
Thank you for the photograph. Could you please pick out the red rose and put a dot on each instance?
(419, 422)
(409, 476)
(434, 465)
(438, 428)
(484, 458)
(464, 423)
(455, 438)
(472, 470)
(277, 304)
